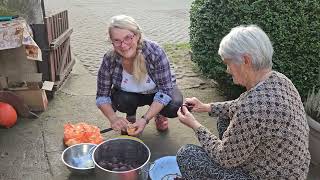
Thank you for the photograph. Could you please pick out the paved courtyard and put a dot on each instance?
(31, 149)
(164, 21)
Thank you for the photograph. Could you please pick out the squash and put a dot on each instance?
(8, 115)
(81, 133)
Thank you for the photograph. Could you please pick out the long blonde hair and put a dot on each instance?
(128, 23)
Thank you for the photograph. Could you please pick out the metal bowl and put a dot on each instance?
(171, 177)
(165, 168)
(78, 158)
(125, 149)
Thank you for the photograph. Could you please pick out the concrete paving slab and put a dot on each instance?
(22, 151)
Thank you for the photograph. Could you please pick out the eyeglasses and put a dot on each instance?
(127, 40)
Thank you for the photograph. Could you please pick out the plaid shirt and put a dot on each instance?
(158, 67)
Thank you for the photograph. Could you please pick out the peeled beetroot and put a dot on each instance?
(8, 115)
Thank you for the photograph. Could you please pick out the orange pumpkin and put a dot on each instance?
(8, 115)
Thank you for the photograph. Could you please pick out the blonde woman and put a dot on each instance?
(136, 72)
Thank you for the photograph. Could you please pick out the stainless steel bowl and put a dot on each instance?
(78, 158)
(125, 149)
(164, 168)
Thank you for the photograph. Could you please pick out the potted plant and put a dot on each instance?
(312, 107)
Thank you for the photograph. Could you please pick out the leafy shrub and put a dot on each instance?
(292, 26)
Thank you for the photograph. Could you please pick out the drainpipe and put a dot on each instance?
(43, 9)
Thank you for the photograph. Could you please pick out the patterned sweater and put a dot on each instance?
(268, 132)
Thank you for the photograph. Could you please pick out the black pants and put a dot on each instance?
(128, 102)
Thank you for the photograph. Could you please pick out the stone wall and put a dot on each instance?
(29, 9)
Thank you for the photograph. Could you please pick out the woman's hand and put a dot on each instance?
(119, 123)
(197, 105)
(187, 118)
(139, 126)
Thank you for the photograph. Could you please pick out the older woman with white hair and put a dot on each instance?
(263, 134)
(136, 72)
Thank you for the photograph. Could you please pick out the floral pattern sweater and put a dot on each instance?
(268, 132)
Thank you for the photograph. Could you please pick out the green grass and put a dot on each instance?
(177, 52)
(7, 12)
(179, 46)
(180, 53)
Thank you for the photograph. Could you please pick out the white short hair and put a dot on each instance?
(251, 40)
